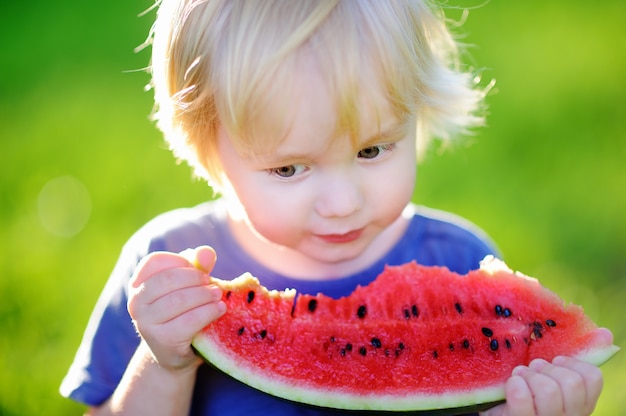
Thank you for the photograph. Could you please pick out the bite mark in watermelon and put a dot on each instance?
(416, 338)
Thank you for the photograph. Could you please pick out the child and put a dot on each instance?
(307, 118)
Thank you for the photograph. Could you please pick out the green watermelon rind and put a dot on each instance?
(284, 388)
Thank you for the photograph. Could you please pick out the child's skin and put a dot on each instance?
(314, 205)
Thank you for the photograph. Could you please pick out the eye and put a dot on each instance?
(373, 152)
(288, 171)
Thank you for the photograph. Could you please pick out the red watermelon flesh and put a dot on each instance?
(416, 338)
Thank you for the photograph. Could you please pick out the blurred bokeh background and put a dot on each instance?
(82, 167)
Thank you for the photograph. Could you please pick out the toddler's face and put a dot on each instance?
(318, 194)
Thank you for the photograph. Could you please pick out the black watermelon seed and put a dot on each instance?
(414, 311)
(348, 347)
(458, 307)
(312, 305)
(487, 332)
(407, 314)
(550, 322)
(537, 332)
(263, 334)
(362, 311)
(506, 312)
(250, 296)
(537, 325)
(363, 351)
(228, 294)
(499, 310)
(342, 352)
(399, 349)
(376, 343)
(240, 330)
(508, 344)
(332, 339)
(435, 354)
(387, 352)
(465, 344)
(493, 345)
(451, 346)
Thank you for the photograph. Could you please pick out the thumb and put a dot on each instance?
(202, 258)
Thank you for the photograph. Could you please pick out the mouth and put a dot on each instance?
(341, 238)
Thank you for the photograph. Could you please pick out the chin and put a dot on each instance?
(336, 255)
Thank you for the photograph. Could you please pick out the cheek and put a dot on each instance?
(275, 215)
(396, 185)
(395, 198)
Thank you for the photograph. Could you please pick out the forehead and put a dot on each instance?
(308, 98)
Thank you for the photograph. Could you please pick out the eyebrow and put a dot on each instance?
(394, 132)
(274, 158)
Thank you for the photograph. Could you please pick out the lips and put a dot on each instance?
(341, 238)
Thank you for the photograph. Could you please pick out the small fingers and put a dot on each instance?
(202, 258)
(583, 378)
(519, 399)
(565, 387)
(155, 263)
(181, 329)
(186, 325)
(168, 281)
(175, 318)
(546, 396)
(143, 296)
(570, 383)
(182, 301)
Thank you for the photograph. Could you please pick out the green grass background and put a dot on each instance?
(546, 179)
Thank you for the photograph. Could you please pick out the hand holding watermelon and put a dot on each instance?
(566, 386)
(170, 300)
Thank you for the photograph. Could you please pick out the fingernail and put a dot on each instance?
(519, 370)
(538, 364)
(221, 307)
(559, 360)
(517, 383)
(216, 291)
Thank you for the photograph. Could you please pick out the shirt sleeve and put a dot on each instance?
(109, 340)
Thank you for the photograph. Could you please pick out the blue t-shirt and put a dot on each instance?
(110, 340)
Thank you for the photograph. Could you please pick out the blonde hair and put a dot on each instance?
(216, 62)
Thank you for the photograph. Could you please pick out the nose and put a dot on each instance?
(339, 196)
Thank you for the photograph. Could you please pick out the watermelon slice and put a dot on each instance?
(416, 338)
